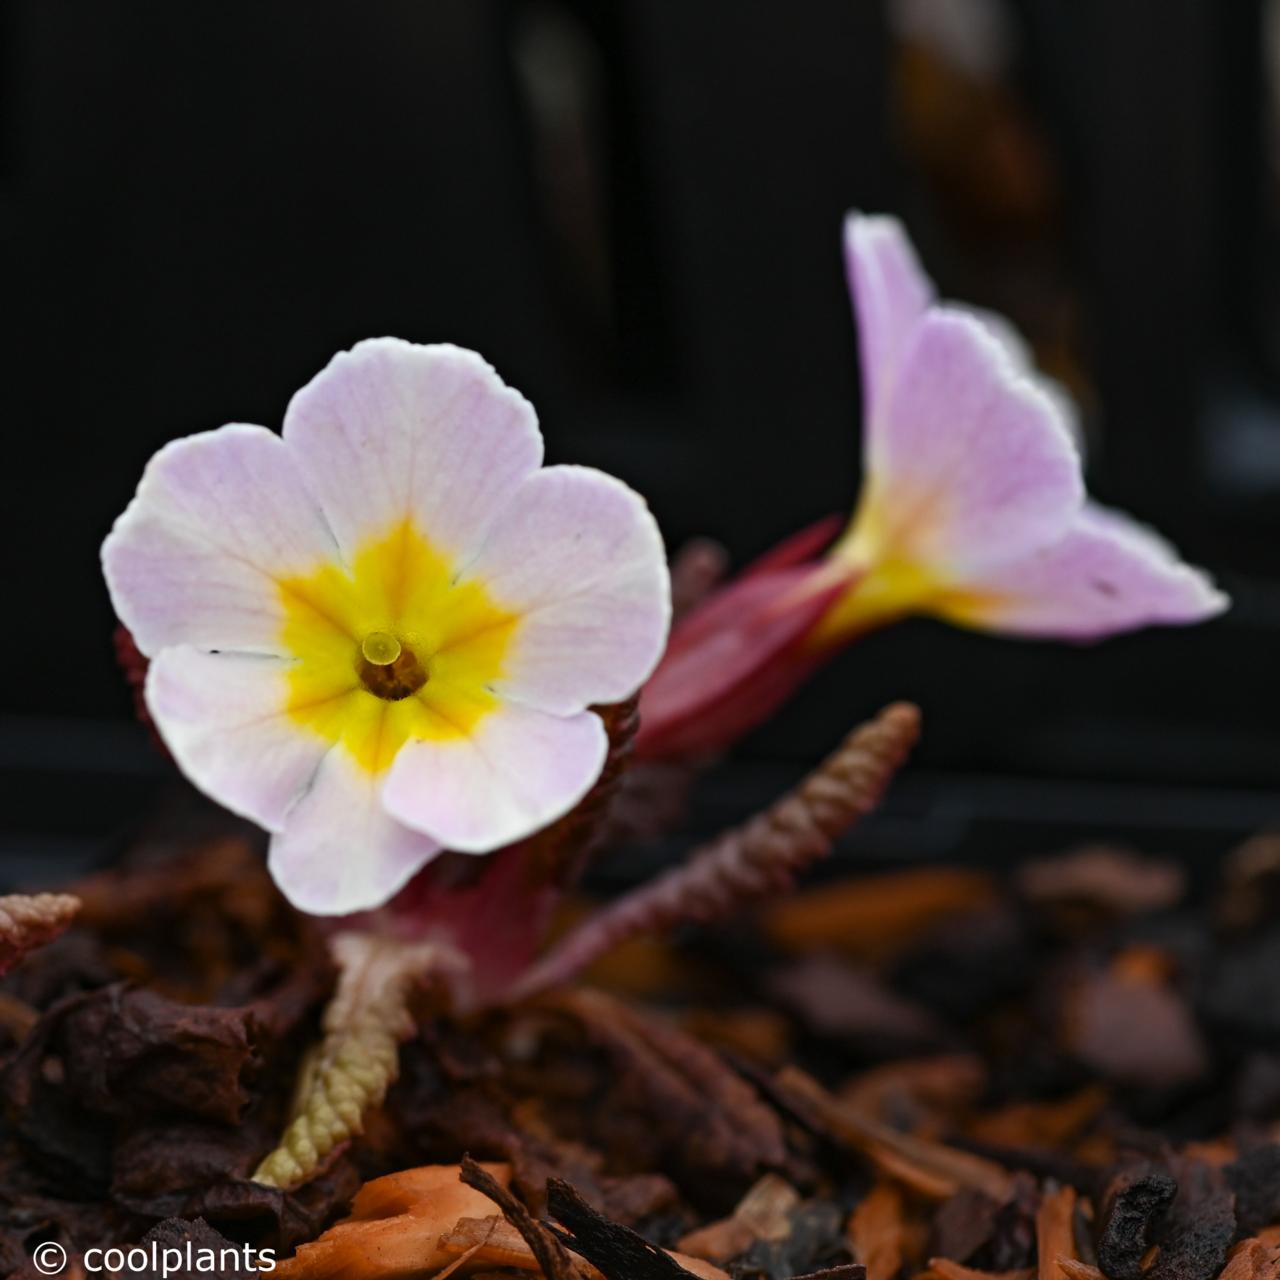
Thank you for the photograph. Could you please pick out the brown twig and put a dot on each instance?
(750, 862)
(614, 1250)
(552, 1257)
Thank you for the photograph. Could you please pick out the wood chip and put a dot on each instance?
(877, 1232)
(1040, 1124)
(874, 917)
(931, 1168)
(1055, 1232)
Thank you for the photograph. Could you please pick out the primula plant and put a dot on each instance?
(393, 639)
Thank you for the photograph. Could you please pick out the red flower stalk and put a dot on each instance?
(739, 655)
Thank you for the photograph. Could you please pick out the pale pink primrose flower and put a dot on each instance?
(973, 509)
(378, 634)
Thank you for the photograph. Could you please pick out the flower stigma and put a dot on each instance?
(381, 648)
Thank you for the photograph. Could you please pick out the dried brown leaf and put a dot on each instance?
(706, 1115)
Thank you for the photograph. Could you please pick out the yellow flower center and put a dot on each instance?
(391, 648)
(889, 580)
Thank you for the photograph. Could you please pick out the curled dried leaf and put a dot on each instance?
(748, 863)
(350, 1071)
(28, 921)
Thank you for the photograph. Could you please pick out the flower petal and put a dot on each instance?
(340, 851)
(217, 519)
(1023, 358)
(577, 556)
(975, 464)
(223, 717)
(518, 770)
(890, 295)
(1107, 574)
(391, 429)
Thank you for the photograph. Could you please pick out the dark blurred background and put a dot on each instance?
(632, 207)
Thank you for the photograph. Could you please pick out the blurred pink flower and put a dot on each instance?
(973, 509)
